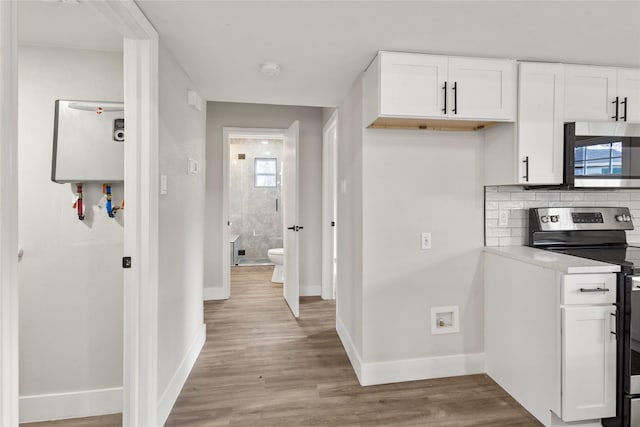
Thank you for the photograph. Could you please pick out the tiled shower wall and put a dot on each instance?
(516, 201)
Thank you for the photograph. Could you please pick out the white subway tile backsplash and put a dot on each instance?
(595, 196)
(517, 201)
(510, 205)
(498, 196)
(618, 195)
(510, 189)
(498, 232)
(550, 195)
(525, 195)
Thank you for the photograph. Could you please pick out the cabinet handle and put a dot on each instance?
(617, 102)
(455, 97)
(526, 168)
(444, 110)
(625, 109)
(614, 329)
(594, 290)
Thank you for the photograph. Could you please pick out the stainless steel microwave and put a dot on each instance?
(602, 155)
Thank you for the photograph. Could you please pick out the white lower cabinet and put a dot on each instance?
(588, 362)
(550, 339)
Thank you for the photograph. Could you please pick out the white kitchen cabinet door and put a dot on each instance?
(629, 88)
(590, 93)
(482, 89)
(588, 363)
(411, 85)
(540, 129)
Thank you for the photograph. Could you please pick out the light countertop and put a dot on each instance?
(560, 262)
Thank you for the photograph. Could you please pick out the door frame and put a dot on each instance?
(329, 205)
(227, 133)
(140, 53)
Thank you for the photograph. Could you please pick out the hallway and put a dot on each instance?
(260, 367)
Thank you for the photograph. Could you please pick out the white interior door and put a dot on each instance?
(291, 287)
(329, 195)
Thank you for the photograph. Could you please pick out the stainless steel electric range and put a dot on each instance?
(599, 233)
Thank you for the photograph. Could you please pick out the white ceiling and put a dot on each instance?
(323, 45)
(65, 24)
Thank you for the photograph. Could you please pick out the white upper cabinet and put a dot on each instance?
(629, 90)
(440, 92)
(601, 94)
(531, 151)
(411, 85)
(540, 126)
(482, 88)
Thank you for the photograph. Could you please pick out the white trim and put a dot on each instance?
(171, 393)
(424, 368)
(350, 349)
(141, 220)
(234, 132)
(329, 200)
(9, 365)
(214, 294)
(77, 404)
(310, 290)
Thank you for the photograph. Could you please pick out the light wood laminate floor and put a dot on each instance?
(260, 367)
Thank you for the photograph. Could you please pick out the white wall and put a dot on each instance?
(70, 277)
(393, 185)
(220, 115)
(180, 308)
(349, 225)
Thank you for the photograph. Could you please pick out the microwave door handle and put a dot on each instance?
(624, 118)
(617, 102)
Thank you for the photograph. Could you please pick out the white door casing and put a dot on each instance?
(141, 218)
(229, 133)
(290, 172)
(329, 201)
(9, 364)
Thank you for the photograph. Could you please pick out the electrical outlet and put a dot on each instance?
(503, 218)
(426, 240)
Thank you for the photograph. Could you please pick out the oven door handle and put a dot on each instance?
(594, 289)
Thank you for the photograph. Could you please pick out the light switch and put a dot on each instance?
(163, 184)
(192, 166)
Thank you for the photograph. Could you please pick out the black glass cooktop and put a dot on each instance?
(628, 257)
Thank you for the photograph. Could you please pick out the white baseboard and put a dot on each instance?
(170, 394)
(56, 406)
(211, 294)
(350, 348)
(395, 371)
(310, 290)
(424, 368)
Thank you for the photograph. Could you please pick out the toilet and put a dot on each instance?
(276, 256)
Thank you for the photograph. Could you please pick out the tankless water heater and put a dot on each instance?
(88, 142)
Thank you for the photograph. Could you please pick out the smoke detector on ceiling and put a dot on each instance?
(270, 69)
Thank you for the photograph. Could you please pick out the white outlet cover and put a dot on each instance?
(503, 218)
(425, 242)
(163, 184)
(450, 315)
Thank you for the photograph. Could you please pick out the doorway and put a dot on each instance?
(138, 393)
(260, 205)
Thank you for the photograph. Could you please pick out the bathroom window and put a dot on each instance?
(265, 172)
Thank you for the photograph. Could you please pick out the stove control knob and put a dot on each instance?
(544, 218)
(619, 218)
(627, 218)
(554, 218)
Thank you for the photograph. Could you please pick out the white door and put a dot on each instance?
(629, 92)
(482, 88)
(411, 85)
(589, 93)
(588, 362)
(291, 287)
(540, 123)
